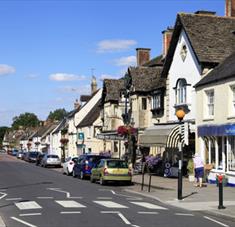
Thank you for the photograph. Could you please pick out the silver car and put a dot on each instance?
(51, 160)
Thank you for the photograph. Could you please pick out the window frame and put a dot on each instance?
(210, 103)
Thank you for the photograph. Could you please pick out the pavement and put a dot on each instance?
(205, 199)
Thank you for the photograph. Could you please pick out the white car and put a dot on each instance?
(68, 165)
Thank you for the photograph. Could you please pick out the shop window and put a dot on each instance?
(231, 154)
(144, 104)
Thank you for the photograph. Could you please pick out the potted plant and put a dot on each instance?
(190, 168)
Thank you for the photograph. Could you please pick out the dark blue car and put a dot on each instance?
(82, 168)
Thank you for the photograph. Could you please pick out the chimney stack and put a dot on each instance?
(77, 104)
(230, 8)
(167, 35)
(142, 55)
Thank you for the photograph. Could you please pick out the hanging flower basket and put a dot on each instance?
(28, 144)
(64, 141)
(126, 130)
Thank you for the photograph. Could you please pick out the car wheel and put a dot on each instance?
(74, 174)
(81, 176)
(102, 181)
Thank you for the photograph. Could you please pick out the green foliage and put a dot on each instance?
(25, 120)
(2, 133)
(57, 115)
(190, 167)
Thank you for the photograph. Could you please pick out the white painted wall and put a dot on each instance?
(188, 69)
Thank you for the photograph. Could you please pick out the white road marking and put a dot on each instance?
(183, 214)
(10, 199)
(149, 205)
(28, 205)
(3, 195)
(69, 204)
(45, 197)
(134, 198)
(119, 214)
(30, 214)
(143, 212)
(67, 193)
(23, 222)
(70, 212)
(110, 204)
(104, 198)
(213, 220)
(124, 218)
(2, 224)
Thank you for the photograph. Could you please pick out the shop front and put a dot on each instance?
(217, 146)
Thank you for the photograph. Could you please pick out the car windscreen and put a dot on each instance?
(94, 159)
(52, 156)
(117, 164)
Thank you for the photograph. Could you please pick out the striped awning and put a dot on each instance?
(166, 135)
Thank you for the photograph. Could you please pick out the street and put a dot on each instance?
(39, 197)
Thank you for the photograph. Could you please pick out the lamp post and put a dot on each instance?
(180, 115)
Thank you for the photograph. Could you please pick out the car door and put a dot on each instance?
(100, 168)
(95, 170)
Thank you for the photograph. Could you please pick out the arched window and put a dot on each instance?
(181, 91)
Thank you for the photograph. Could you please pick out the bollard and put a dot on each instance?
(220, 185)
(150, 175)
(142, 184)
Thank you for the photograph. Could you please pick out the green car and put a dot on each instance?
(111, 170)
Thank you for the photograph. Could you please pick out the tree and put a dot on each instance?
(2, 133)
(57, 115)
(25, 120)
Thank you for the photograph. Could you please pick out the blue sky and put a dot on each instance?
(48, 48)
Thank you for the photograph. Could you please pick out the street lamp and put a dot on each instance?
(180, 113)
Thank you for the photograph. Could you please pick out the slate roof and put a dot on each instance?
(61, 126)
(111, 89)
(211, 37)
(145, 79)
(157, 61)
(42, 130)
(92, 116)
(223, 71)
(85, 98)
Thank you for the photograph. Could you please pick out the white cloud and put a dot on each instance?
(65, 77)
(78, 90)
(6, 69)
(126, 61)
(115, 45)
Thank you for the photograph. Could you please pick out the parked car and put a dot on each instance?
(51, 160)
(19, 154)
(39, 158)
(82, 168)
(14, 152)
(31, 156)
(111, 170)
(69, 164)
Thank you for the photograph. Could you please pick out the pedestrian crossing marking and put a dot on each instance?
(110, 204)
(28, 205)
(149, 205)
(69, 204)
